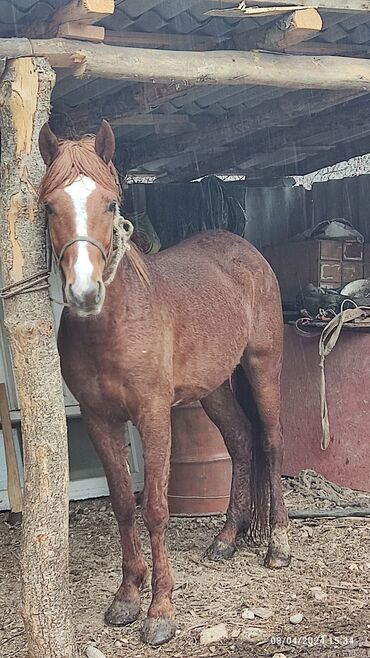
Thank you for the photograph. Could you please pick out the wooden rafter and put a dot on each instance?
(83, 11)
(75, 20)
(331, 157)
(327, 5)
(321, 48)
(163, 40)
(135, 119)
(233, 126)
(135, 99)
(289, 30)
(350, 120)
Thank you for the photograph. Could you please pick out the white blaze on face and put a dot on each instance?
(79, 192)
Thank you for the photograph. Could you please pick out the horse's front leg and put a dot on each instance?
(155, 430)
(108, 439)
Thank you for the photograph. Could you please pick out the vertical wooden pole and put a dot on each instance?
(25, 90)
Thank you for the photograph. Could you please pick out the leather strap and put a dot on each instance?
(81, 238)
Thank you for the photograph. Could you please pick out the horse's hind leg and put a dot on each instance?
(223, 409)
(262, 367)
(108, 440)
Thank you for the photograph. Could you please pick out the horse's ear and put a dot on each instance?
(48, 144)
(105, 143)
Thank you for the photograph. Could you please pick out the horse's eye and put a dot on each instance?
(48, 208)
(112, 206)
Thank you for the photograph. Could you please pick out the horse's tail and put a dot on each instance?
(259, 477)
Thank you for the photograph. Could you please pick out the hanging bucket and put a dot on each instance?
(200, 476)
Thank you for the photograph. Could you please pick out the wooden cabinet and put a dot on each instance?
(324, 263)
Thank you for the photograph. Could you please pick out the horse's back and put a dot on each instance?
(218, 256)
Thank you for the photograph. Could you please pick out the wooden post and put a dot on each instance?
(24, 106)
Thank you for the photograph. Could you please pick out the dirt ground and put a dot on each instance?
(331, 554)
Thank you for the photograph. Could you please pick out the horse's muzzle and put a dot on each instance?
(87, 302)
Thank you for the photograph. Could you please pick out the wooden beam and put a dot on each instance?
(251, 12)
(150, 96)
(327, 5)
(81, 31)
(133, 119)
(83, 11)
(163, 40)
(135, 99)
(80, 12)
(321, 48)
(213, 68)
(233, 126)
(25, 90)
(342, 153)
(287, 31)
(351, 119)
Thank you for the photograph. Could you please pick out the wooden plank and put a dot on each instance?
(327, 5)
(135, 99)
(287, 31)
(81, 12)
(13, 479)
(251, 12)
(159, 40)
(213, 68)
(133, 119)
(234, 126)
(93, 33)
(320, 48)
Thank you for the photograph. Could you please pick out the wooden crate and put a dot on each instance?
(324, 263)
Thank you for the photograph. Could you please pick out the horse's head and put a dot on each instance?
(81, 196)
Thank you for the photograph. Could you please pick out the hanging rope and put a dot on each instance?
(29, 284)
(122, 232)
(328, 340)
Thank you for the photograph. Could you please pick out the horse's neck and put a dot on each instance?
(129, 289)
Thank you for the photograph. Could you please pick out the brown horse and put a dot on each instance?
(199, 321)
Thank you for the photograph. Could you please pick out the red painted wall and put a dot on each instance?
(347, 459)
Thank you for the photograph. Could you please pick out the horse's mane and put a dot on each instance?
(79, 158)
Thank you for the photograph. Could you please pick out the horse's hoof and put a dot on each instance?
(274, 560)
(278, 553)
(122, 613)
(219, 551)
(157, 631)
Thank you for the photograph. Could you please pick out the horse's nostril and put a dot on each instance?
(98, 293)
(92, 296)
(71, 292)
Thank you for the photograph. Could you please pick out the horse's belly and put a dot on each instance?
(203, 373)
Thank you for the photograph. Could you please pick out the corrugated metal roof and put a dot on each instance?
(187, 17)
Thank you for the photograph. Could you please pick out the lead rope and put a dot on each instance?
(122, 232)
(328, 340)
